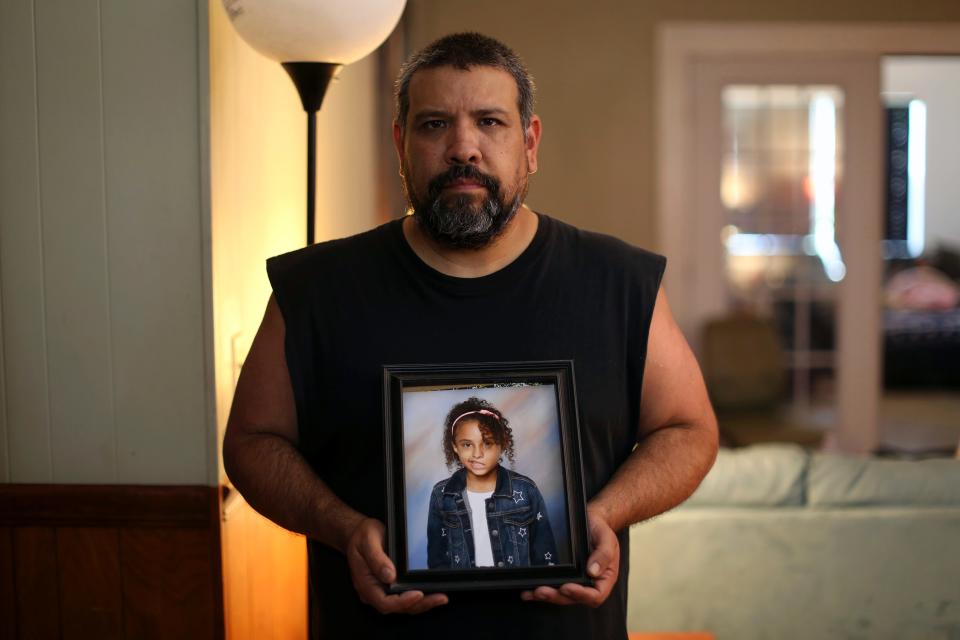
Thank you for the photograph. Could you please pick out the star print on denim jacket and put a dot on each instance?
(520, 532)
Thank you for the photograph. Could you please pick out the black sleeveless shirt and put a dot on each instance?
(352, 305)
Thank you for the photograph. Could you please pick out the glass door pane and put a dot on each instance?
(782, 167)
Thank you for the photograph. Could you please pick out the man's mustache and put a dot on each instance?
(463, 172)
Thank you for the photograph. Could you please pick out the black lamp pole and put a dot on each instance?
(311, 80)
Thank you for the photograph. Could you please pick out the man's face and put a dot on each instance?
(464, 157)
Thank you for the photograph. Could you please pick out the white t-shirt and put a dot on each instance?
(482, 552)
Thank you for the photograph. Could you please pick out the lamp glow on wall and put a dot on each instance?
(313, 39)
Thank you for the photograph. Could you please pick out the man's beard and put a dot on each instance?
(461, 221)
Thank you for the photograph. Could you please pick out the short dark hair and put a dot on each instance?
(462, 51)
(495, 426)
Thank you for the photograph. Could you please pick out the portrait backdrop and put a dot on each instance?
(531, 410)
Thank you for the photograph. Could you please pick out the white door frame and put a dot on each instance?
(682, 47)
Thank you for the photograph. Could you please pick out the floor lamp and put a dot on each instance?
(313, 39)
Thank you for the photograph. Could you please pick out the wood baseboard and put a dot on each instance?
(82, 561)
(53, 505)
(671, 635)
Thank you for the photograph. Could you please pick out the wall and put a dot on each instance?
(264, 576)
(258, 196)
(104, 238)
(594, 64)
(258, 178)
(101, 252)
(144, 178)
(257, 155)
(936, 81)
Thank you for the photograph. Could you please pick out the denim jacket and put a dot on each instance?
(520, 533)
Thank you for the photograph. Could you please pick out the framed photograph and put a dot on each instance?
(484, 478)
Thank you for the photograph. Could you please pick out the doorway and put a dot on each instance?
(920, 400)
(772, 206)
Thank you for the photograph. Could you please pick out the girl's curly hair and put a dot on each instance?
(496, 427)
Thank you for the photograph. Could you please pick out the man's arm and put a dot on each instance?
(677, 447)
(261, 458)
(678, 432)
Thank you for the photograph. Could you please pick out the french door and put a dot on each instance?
(786, 190)
(756, 120)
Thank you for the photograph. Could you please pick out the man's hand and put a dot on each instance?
(603, 566)
(371, 569)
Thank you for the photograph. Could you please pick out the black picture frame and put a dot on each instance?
(407, 387)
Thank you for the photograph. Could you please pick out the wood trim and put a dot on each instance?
(81, 561)
(36, 578)
(671, 635)
(169, 590)
(215, 542)
(91, 603)
(8, 609)
(38, 505)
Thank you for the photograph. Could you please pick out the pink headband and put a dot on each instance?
(463, 415)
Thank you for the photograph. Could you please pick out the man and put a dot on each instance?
(473, 275)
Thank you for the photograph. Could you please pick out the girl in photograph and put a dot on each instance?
(485, 515)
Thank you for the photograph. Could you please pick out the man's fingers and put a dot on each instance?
(393, 603)
(409, 602)
(546, 594)
(606, 549)
(428, 602)
(567, 594)
(599, 562)
(372, 569)
(371, 549)
(603, 565)
(583, 595)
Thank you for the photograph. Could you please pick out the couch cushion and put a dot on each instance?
(770, 475)
(846, 481)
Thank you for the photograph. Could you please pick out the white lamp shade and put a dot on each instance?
(336, 31)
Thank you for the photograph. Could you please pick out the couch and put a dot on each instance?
(781, 543)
